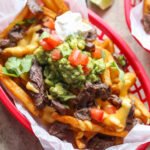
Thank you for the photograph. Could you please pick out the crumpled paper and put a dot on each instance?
(9, 10)
(137, 29)
(140, 134)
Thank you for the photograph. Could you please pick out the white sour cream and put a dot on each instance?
(70, 23)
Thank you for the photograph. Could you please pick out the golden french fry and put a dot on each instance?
(61, 5)
(142, 112)
(106, 77)
(20, 51)
(87, 125)
(114, 74)
(129, 80)
(106, 44)
(49, 13)
(46, 115)
(78, 139)
(118, 119)
(51, 5)
(19, 94)
(19, 18)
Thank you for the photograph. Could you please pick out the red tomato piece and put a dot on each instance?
(74, 57)
(83, 59)
(110, 109)
(97, 114)
(45, 45)
(77, 58)
(52, 41)
(86, 70)
(56, 54)
(96, 54)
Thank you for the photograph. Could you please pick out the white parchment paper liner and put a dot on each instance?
(140, 134)
(137, 29)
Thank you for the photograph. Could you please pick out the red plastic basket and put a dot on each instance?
(128, 5)
(141, 87)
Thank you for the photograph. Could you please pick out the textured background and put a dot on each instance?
(14, 136)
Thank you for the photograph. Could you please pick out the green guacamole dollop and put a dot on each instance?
(61, 77)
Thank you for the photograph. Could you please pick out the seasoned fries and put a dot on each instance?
(19, 94)
(87, 126)
(67, 78)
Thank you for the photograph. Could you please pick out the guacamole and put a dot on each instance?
(60, 76)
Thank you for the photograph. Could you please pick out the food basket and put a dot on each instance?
(128, 5)
(141, 88)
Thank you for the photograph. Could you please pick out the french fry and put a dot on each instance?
(143, 113)
(106, 77)
(46, 115)
(129, 80)
(118, 120)
(20, 51)
(106, 44)
(78, 139)
(19, 94)
(51, 5)
(87, 126)
(49, 13)
(19, 18)
(114, 74)
(61, 5)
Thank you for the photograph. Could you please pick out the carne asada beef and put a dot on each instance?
(102, 90)
(60, 108)
(91, 35)
(16, 33)
(86, 97)
(36, 79)
(115, 100)
(100, 142)
(34, 6)
(83, 114)
(90, 47)
(62, 131)
(129, 123)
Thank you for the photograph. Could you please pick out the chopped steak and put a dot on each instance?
(60, 108)
(36, 78)
(100, 142)
(115, 100)
(83, 114)
(62, 131)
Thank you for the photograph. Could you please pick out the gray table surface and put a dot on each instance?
(14, 137)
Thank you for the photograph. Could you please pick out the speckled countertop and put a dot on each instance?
(14, 137)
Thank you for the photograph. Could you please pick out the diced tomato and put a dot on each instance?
(50, 43)
(97, 114)
(96, 54)
(49, 23)
(77, 58)
(56, 54)
(86, 70)
(45, 45)
(74, 58)
(110, 109)
(84, 59)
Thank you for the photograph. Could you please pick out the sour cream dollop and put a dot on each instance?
(70, 23)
